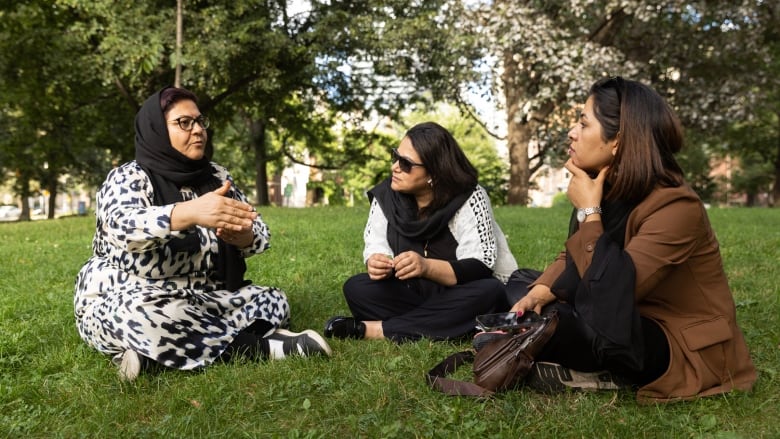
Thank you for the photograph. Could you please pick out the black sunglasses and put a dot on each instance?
(404, 163)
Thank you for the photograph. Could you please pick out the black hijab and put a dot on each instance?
(169, 170)
(403, 225)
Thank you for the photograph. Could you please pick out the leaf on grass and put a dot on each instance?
(708, 422)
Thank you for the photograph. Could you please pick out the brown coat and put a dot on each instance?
(681, 285)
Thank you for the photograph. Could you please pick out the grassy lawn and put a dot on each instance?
(53, 385)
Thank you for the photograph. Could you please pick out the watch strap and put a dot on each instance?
(591, 210)
(583, 213)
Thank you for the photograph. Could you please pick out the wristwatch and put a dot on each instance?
(583, 213)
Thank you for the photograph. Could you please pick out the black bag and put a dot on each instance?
(500, 365)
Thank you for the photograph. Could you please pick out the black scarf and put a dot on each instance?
(604, 297)
(403, 226)
(169, 170)
(614, 217)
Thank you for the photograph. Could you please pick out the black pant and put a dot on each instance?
(572, 347)
(419, 308)
(249, 343)
(573, 341)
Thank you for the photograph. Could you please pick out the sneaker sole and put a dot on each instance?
(130, 366)
(314, 335)
(553, 378)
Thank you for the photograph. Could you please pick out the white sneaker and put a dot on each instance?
(129, 363)
(283, 343)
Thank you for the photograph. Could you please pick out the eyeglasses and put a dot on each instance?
(186, 123)
(404, 163)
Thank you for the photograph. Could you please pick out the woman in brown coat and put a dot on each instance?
(640, 291)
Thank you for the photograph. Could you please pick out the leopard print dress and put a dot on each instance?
(136, 293)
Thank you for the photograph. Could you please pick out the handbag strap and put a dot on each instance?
(438, 381)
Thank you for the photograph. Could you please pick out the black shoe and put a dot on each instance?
(344, 327)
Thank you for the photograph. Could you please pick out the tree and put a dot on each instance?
(696, 160)
(753, 177)
(756, 142)
(279, 82)
(535, 56)
(255, 62)
(48, 105)
(540, 58)
(756, 137)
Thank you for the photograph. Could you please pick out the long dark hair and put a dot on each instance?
(648, 133)
(450, 170)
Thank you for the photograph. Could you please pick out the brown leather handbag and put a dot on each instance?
(500, 365)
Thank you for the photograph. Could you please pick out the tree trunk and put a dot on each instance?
(51, 186)
(179, 32)
(750, 199)
(257, 134)
(24, 193)
(52, 201)
(517, 139)
(775, 195)
(517, 134)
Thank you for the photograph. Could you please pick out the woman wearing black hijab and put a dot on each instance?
(435, 256)
(166, 281)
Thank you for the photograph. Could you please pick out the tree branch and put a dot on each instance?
(232, 88)
(126, 94)
(605, 30)
(294, 159)
(463, 106)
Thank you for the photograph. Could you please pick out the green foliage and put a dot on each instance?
(754, 142)
(283, 80)
(479, 147)
(53, 385)
(283, 85)
(57, 121)
(347, 183)
(753, 177)
(330, 189)
(696, 160)
(714, 61)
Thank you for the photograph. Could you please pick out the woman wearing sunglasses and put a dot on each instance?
(165, 284)
(435, 257)
(640, 291)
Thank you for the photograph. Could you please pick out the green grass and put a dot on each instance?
(53, 385)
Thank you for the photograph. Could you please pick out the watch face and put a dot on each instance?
(581, 215)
